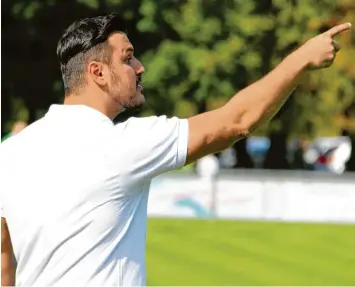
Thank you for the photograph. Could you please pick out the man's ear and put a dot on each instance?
(97, 73)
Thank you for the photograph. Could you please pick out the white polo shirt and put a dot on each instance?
(74, 190)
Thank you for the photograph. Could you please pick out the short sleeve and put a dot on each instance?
(155, 145)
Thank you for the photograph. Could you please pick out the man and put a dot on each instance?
(74, 186)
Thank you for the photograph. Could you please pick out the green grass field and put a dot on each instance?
(206, 252)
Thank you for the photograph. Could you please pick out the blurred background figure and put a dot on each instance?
(328, 154)
(339, 157)
(208, 168)
(17, 127)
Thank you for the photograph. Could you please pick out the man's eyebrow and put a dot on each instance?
(130, 50)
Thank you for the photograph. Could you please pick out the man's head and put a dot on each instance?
(96, 59)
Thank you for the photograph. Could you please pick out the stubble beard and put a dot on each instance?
(129, 102)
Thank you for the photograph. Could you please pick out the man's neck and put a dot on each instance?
(86, 101)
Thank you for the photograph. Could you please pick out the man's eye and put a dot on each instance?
(129, 60)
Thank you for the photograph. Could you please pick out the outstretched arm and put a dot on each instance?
(253, 106)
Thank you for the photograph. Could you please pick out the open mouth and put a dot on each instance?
(140, 89)
(138, 83)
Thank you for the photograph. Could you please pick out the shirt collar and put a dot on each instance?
(78, 111)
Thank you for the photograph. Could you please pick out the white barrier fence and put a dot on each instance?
(260, 195)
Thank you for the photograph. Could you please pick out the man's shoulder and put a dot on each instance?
(142, 120)
(144, 123)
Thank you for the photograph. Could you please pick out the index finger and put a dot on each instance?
(338, 29)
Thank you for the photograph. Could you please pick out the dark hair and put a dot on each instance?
(83, 41)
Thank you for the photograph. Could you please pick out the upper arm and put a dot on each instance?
(154, 145)
(8, 265)
(212, 132)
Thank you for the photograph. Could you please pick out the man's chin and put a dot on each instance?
(135, 103)
(131, 109)
(140, 99)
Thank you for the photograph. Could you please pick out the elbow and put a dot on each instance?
(242, 124)
(242, 129)
(247, 124)
(231, 134)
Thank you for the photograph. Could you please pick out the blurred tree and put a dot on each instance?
(213, 50)
(197, 54)
(221, 48)
(321, 99)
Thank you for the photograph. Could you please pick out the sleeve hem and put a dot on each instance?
(182, 143)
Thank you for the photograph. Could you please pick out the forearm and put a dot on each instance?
(258, 103)
(246, 111)
(255, 105)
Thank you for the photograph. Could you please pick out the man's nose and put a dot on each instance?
(138, 67)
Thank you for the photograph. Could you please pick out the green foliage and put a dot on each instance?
(324, 96)
(213, 53)
(197, 55)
